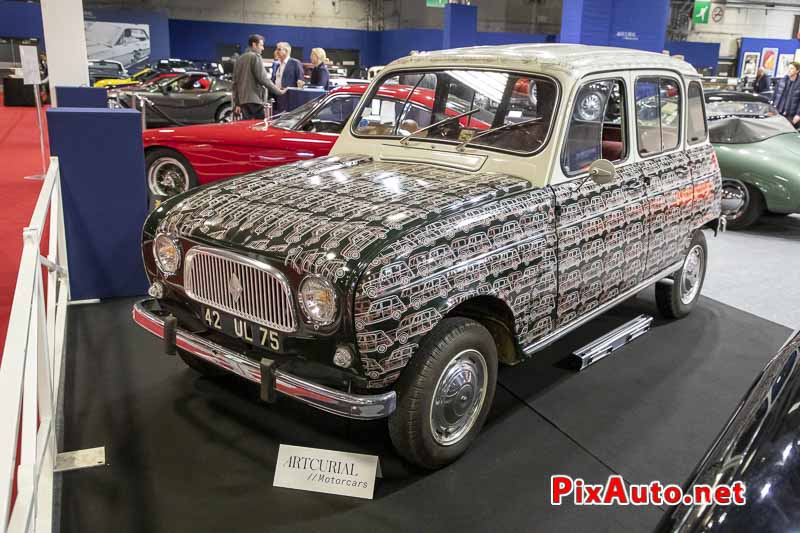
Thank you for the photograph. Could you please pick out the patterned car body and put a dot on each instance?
(405, 243)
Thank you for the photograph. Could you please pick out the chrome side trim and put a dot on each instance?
(361, 407)
(270, 300)
(557, 334)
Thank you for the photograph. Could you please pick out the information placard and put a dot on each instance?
(343, 473)
(29, 55)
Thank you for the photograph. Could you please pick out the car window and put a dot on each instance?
(337, 109)
(696, 127)
(670, 105)
(331, 116)
(597, 128)
(658, 111)
(518, 109)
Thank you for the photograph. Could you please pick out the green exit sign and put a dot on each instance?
(435, 3)
(702, 8)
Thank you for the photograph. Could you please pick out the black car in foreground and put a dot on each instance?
(760, 447)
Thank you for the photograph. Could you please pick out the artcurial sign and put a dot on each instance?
(347, 474)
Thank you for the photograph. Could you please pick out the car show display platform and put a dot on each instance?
(189, 453)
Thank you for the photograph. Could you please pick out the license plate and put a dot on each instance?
(255, 334)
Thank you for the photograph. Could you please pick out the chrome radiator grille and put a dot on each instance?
(240, 286)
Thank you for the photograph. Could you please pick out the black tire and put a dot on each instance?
(753, 203)
(224, 114)
(410, 426)
(203, 367)
(670, 296)
(167, 157)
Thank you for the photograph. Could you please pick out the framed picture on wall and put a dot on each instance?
(783, 64)
(769, 60)
(797, 55)
(750, 64)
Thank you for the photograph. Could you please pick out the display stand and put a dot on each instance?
(32, 76)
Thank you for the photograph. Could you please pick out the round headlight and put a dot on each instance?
(167, 252)
(318, 300)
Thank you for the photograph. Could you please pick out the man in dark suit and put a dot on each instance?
(288, 73)
(761, 83)
(787, 94)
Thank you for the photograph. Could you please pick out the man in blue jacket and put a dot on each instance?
(288, 73)
(787, 94)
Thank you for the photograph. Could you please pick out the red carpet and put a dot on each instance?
(19, 153)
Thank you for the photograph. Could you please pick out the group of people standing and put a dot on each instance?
(252, 86)
(787, 92)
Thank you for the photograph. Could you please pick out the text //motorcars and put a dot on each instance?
(373, 333)
(758, 152)
(190, 98)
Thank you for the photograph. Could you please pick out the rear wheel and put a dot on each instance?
(445, 393)
(225, 113)
(676, 299)
(742, 203)
(168, 174)
(198, 365)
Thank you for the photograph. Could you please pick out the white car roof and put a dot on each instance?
(575, 60)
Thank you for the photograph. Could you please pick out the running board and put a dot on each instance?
(610, 342)
(80, 459)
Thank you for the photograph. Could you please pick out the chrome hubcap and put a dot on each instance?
(458, 397)
(735, 198)
(692, 274)
(167, 177)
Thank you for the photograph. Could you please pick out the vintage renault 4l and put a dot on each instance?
(536, 187)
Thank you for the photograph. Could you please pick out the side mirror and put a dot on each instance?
(602, 172)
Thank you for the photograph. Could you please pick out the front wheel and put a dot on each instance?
(676, 299)
(445, 393)
(168, 174)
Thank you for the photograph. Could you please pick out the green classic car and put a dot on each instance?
(759, 157)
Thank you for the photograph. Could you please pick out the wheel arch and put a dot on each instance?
(496, 316)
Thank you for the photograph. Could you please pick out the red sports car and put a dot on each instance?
(179, 158)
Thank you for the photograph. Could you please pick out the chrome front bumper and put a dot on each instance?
(362, 407)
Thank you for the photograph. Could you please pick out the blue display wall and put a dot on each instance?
(700, 55)
(784, 46)
(625, 23)
(20, 19)
(377, 48)
(194, 39)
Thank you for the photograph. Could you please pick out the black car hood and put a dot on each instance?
(760, 447)
(328, 215)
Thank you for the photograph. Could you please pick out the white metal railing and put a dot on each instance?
(30, 371)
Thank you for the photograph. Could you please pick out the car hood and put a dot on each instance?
(238, 132)
(787, 142)
(329, 215)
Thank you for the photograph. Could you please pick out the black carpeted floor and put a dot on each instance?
(188, 453)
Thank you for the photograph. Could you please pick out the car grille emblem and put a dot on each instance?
(235, 287)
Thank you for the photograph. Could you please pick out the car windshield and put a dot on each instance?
(290, 119)
(453, 106)
(727, 108)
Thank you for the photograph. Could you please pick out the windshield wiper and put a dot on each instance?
(404, 140)
(463, 145)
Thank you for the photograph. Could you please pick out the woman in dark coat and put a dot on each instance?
(319, 75)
